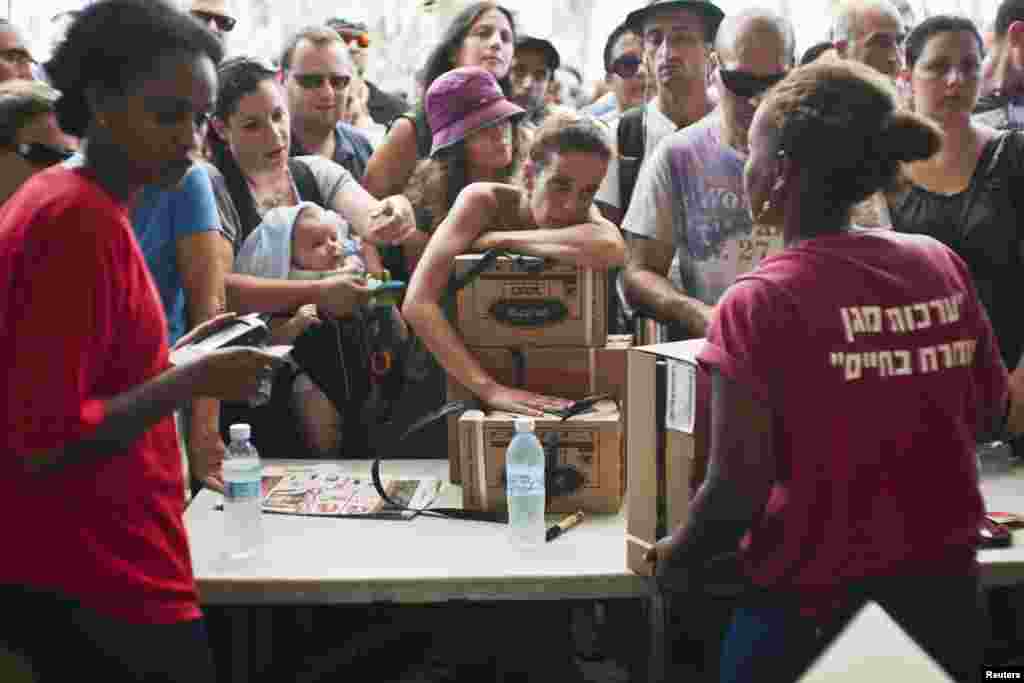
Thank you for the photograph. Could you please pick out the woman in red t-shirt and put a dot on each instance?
(851, 375)
(99, 578)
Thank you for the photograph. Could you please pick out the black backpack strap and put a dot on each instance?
(305, 181)
(630, 143)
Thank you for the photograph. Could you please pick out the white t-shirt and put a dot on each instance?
(656, 127)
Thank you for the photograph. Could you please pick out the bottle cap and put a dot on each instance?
(524, 424)
(240, 432)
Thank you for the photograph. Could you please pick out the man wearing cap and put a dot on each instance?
(383, 107)
(317, 72)
(689, 201)
(677, 37)
(30, 139)
(15, 59)
(533, 66)
(216, 15)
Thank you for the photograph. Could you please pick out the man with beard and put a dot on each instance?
(689, 201)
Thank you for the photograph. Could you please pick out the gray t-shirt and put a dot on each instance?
(691, 188)
(656, 127)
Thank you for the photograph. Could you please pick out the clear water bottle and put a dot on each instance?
(243, 499)
(524, 487)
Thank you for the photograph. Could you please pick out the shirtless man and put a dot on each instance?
(551, 216)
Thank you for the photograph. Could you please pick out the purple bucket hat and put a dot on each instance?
(463, 101)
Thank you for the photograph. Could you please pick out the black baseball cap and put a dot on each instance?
(550, 53)
(712, 14)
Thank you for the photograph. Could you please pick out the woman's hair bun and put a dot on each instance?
(906, 136)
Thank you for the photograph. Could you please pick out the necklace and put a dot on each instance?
(274, 197)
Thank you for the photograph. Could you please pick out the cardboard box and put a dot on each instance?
(591, 442)
(513, 305)
(568, 372)
(668, 426)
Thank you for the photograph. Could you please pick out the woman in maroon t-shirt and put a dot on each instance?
(101, 580)
(851, 373)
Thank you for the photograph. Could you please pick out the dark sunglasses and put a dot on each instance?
(626, 66)
(363, 40)
(40, 154)
(314, 81)
(223, 23)
(744, 84)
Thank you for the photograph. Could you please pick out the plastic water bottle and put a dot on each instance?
(524, 488)
(243, 498)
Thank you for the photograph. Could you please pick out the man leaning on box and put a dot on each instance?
(551, 216)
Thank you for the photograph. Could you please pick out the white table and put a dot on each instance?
(1004, 492)
(320, 561)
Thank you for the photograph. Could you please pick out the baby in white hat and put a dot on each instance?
(305, 242)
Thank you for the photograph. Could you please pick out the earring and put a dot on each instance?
(765, 208)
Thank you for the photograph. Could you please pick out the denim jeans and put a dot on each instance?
(769, 640)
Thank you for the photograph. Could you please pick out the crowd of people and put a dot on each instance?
(843, 224)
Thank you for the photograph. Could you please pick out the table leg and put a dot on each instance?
(657, 614)
(238, 625)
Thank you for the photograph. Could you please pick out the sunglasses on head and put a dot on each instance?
(363, 40)
(626, 66)
(315, 81)
(223, 23)
(40, 154)
(745, 84)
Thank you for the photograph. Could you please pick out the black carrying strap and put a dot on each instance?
(499, 517)
(458, 407)
(305, 183)
(630, 143)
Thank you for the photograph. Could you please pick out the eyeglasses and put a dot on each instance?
(17, 55)
(40, 154)
(224, 23)
(745, 84)
(315, 81)
(363, 39)
(626, 66)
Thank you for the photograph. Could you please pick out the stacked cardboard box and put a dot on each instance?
(542, 329)
(667, 451)
(591, 443)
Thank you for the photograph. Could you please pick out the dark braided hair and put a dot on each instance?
(113, 46)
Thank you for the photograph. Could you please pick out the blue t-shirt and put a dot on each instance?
(161, 218)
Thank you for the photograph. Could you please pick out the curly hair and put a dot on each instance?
(838, 120)
(435, 183)
(566, 130)
(96, 56)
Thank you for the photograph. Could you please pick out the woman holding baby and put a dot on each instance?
(250, 138)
